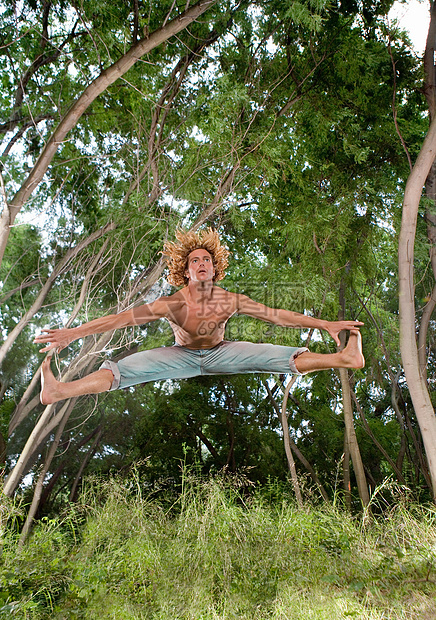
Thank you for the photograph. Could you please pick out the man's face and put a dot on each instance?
(200, 266)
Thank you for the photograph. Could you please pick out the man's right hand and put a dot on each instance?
(58, 339)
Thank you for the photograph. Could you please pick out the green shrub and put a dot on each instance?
(219, 552)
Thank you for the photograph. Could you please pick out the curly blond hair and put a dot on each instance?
(177, 253)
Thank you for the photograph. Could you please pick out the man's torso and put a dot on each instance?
(200, 325)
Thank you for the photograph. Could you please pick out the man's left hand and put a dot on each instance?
(335, 327)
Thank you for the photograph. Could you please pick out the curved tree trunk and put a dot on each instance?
(408, 345)
(37, 304)
(430, 186)
(351, 437)
(287, 443)
(66, 411)
(290, 444)
(71, 118)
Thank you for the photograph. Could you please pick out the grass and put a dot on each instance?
(220, 553)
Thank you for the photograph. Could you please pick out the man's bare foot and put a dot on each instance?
(352, 353)
(50, 387)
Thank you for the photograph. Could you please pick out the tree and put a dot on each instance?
(421, 171)
(273, 122)
(409, 349)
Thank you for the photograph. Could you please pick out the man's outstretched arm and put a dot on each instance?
(58, 339)
(287, 318)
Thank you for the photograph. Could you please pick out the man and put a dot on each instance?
(198, 314)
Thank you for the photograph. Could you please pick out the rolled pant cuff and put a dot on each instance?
(292, 365)
(113, 367)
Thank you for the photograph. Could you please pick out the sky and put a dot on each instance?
(413, 16)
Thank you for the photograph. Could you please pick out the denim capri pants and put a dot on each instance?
(178, 362)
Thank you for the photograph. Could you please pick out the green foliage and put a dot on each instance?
(221, 551)
(293, 100)
(210, 422)
(6, 409)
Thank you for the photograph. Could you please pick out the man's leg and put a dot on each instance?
(350, 357)
(53, 390)
(151, 365)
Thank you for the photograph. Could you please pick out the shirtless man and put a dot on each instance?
(198, 314)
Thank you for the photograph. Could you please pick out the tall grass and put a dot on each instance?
(220, 553)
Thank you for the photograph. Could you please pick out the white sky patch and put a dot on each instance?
(413, 16)
(72, 70)
(199, 135)
(178, 205)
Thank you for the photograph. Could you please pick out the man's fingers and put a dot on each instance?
(51, 346)
(42, 335)
(47, 348)
(45, 335)
(42, 338)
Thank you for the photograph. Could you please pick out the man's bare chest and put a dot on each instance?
(216, 310)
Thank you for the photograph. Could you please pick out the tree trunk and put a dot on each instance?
(83, 465)
(37, 304)
(347, 404)
(287, 439)
(71, 118)
(369, 432)
(202, 437)
(346, 471)
(292, 445)
(288, 451)
(57, 473)
(66, 411)
(408, 345)
(423, 331)
(351, 437)
(430, 186)
(3, 447)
